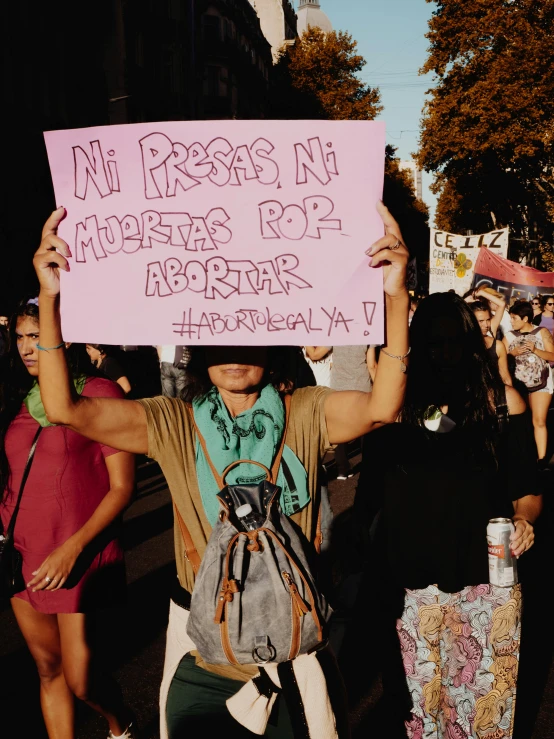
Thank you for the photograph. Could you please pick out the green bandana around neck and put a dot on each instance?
(435, 420)
(33, 401)
(254, 434)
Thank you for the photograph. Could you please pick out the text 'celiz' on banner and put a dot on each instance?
(452, 257)
(221, 232)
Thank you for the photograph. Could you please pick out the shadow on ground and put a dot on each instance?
(122, 635)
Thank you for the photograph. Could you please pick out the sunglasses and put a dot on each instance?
(550, 303)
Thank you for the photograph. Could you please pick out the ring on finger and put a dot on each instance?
(396, 246)
(47, 579)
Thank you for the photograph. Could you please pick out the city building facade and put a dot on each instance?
(131, 61)
(196, 59)
(278, 21)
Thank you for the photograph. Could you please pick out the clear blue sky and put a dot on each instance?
(391, 38)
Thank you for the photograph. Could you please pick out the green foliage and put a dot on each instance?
(321, 69)
(316, 79)
(487, 128)
(412, 214)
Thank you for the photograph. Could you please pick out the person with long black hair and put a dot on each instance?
(460, 454)
(66, 530)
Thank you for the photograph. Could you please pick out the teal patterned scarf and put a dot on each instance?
(33, 401)
(254, 434)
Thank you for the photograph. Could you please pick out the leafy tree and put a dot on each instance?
(412, 214)
(317, 78)
(487, 129)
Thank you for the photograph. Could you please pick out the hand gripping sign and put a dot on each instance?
(221, 232)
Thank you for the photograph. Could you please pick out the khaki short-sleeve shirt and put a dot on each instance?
(172, 443)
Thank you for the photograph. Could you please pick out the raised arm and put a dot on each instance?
(117, 423)
(499, 304)
(352, 414)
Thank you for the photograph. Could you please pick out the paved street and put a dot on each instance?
(134, 640)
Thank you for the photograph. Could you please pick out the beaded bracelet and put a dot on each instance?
(50, 348)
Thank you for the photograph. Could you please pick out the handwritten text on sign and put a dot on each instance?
(221, 232)
(452, 257)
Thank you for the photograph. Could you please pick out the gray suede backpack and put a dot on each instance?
(255, 599)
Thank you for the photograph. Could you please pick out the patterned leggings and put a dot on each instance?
(461, 655)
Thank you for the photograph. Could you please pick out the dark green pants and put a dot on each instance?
(197, 698)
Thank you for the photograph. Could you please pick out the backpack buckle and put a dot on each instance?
(263, 652)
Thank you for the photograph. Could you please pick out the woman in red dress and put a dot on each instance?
(66, 531)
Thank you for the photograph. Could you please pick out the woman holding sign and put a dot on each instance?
(238, 410)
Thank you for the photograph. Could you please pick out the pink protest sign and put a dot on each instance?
(221, 232)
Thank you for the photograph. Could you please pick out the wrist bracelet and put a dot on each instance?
(50, 348)
(401, 357)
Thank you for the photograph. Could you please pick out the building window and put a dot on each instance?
(229, 28)
(211, 27)
(211, 81)
(216, 81)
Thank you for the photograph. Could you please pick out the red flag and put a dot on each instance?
(504, 271)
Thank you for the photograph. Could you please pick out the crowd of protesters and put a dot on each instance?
(71, 425)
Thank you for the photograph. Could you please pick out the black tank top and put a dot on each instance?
(491, 352)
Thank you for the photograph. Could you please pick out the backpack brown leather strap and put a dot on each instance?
(268, 474)
(318, 540)
(215, 473)
(277, 462)
(190, 550)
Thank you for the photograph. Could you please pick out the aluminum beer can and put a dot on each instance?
(502, 563)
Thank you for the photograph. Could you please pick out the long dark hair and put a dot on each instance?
(480, 388)
(15, 381)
